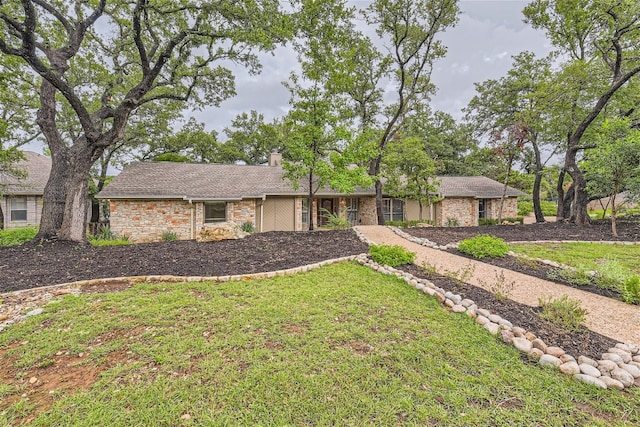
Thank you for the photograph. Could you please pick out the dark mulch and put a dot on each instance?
(29, 266)
(598, 231)
(585, 342)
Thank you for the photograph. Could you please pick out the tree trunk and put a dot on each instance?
(560, 192)
(579, 213)
(614, 214)
(504, 188)
(54, 196)
(379, 207)
(537, 209)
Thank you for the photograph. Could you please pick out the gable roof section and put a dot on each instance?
(479, 187)
(199, 181)
(38, 169)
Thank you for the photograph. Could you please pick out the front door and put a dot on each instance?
(325, 207)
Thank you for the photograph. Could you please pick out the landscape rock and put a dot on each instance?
(607, 365)
(587, 360)
(494, 318)
(569, 368)
(483, 312)
(567, 358)
(221, 231)
(536, 352)
(458, 308)
(590, 370)
(623, 376)
(615, 358)
(507, 336)
(530, 336)
(493, 328)
(633, 370)
(467, 302)
(34, 312)
(522, 344)
(481, 320)
(624, 347)
(624, 355)
(518, 331)
(611, 383)
(549, 360)
(554, 351)
(590, 380)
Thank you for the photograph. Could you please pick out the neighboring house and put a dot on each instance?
(148, 199)
(21, 203)
(622, 201)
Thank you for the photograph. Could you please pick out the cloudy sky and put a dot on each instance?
(480, 47)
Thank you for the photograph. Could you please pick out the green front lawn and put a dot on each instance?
(584, 255)
(341, 345)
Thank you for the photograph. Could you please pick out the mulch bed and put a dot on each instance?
(598, 231)
(29, 265)
(584, 342)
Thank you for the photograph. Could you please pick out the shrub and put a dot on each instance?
(484, 246)
(611, 274)
(248, 227)
(335, 222)
(17, 236)
(630, 290)
(392, 256)
(169, 236)
(106, 238)
(453, 222)
(500, 288)
(411, 223)
(525, 208)
(492, 221)
(548, 208)
(578, 276)
(565, 312)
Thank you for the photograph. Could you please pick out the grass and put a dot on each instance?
(589, 256)
(18, 236)
(341, 345)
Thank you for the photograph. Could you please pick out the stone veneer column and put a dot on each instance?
(367, 211)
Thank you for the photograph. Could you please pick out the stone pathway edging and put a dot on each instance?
(18, 305)
(619, 368)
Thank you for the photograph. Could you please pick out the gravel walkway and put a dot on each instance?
(608, 317)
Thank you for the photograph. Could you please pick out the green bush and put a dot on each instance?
(577, 276)
(611, 274)
(106, 238)
(525, 208)
(169, 236)
(549, 208)
(565, 312)
(630, 290)
(484, 246)
(17, 236)
(335, 222)
(248, 227)
(392, 256)
(452, 222)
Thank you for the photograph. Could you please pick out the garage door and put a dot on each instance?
(278, 214)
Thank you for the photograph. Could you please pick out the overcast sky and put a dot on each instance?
(480, 47)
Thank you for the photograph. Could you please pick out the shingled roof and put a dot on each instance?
(479, 187)
(37, 167)
(198, 181)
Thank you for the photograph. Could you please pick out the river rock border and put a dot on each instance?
(618, 368)
(18, 305)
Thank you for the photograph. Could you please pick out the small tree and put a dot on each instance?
(410, 172)
(613, 165)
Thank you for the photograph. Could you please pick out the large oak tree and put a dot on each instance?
(103, 59)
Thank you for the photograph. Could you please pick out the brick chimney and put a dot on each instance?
(275, 159)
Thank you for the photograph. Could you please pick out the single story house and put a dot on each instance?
(21, 203)
(148, 199)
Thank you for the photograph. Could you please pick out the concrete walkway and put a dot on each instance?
(609, 317)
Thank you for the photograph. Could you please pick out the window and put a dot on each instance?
(215, 212)
(393, 209)
(19, 209)
(305, 211)
(352, 211)
(482, 208)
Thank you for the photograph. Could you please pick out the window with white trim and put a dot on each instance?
(215, 212)
(393, 209)
(18, 209)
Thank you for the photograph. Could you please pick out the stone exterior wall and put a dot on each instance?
(367, 211)
(146, 220)
(463, 210)
(34, 212)
(509, 209)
